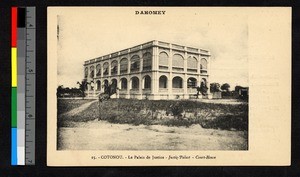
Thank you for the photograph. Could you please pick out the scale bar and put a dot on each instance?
(22, 60)
(14, 150)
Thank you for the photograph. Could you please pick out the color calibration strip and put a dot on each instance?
(23, 86)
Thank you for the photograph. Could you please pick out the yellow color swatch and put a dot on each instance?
(14, 67)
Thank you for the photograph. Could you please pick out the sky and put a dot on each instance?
(87, 33)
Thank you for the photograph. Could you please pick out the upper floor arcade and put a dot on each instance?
(151, 56)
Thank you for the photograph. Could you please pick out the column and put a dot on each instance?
(128, 87)
(140, 92)
(154, 75)
(207, 80)
(185, 90)
(119, 65)
(129, 64)
(170, 86)
(94, 80)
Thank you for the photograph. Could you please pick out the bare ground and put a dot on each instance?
(101, 135)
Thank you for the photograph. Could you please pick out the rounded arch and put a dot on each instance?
(192, 62)
(163, 81)
(98, 70)
(105, 82)
(123, 65)
(163, 59)
(86, 72)
(92, 85)
(178, 61)
(203, 81)
(191, 82)
(147, 82)
(123, 83)
(114, 67)
(177, 82)
(105, 68)
(135, 63)
(135, 83)
(114, 85)
(105, 86)
(92, 71)
(98, 85)
(147, 61)
(203, 64)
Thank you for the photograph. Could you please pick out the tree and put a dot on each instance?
(60, 91)
(237, 88)
(202, 89)
(82, 87)
(215, 87)
(225, 87)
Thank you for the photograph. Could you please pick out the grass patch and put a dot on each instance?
(146, 112)
(65, 105)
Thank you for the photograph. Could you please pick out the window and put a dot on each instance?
(86, 72)
(203, 65)
(98, 84)
(105, 69)
(178, 62)
(124, 65)
(147, 82)
(124, 83)
(92, 71)
(135, 83)
(163, 81)
(135, 63)
(98, 70)
(147, 61)
(163, 59)
(114, 67)
(177, 82)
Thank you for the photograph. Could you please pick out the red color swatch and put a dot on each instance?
(14, 20)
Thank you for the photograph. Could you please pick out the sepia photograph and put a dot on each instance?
(141, 79)
(140, 93)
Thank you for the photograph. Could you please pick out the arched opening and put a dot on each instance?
(147, 61)
(105, 69)
(124, 84)
(98, 70)
(105, 86)
(203, 82)
(114, 85)
(192, 64)
(105, 82)
(86, 72)
(92, 85)
(163, 82)
(178, 62)
(203, 66)
(92, 71)
(135, 83)
(177, 82)
(147, 82)
(114, 67)
(134, 63)
(191, 82)
(124, 65)
(163, 61)
(98, 84)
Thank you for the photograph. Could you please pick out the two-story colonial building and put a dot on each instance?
(154, 70)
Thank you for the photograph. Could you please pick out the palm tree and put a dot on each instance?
(82, 87)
